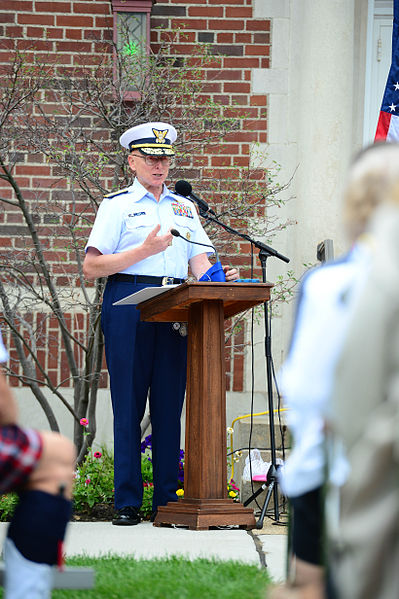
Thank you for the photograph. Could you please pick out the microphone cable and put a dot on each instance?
(177, 233)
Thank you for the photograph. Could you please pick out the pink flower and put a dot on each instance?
(84, 422)
(97, 454)
(87, 481)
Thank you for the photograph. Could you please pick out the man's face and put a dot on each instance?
(151, 171)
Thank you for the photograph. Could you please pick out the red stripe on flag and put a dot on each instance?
(383, 126)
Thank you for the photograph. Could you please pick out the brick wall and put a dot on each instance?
(72, 33)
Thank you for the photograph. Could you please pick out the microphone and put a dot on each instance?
(185, 189)
(177, 233)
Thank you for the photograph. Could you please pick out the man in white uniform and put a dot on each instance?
(131, 244)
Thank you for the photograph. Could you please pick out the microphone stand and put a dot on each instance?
(265, 252)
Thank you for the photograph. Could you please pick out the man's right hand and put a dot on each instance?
(97, 264)
(154, 243)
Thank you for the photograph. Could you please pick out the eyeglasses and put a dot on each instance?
(154, 160)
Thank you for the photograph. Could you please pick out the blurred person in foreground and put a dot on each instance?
(364, 534)
(327, 299)
(40, 468)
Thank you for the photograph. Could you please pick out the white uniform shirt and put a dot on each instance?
(3, 351)
(306, 378)
(126, 218)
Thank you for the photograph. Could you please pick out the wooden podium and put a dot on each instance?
(205, 306)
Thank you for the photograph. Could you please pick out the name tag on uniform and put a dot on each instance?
(182, 210)
(136, 214)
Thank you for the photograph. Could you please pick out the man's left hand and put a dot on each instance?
(231, 274)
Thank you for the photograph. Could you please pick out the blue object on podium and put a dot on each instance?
(215, 273)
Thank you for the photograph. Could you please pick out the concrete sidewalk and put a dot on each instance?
(265, 547)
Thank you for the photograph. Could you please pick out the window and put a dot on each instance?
(132, 41)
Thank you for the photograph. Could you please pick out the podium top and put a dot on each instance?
(173, 305)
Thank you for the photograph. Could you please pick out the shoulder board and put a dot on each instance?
(113, 194)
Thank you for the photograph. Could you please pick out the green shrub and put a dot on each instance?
(94, 480)
(8, 504)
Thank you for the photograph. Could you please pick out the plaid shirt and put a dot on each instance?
(20, 451)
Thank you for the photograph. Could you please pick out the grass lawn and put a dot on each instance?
(173, 578)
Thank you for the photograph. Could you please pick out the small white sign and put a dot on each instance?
(143, 295)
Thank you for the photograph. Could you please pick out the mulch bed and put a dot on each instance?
(100, 512)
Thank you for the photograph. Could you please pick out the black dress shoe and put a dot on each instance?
(153, 516)
(126, 516)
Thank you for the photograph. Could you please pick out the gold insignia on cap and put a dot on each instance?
(188, 235)
(160, 135)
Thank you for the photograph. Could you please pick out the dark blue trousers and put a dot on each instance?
(142, 357)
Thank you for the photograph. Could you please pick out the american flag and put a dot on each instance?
(388, 122)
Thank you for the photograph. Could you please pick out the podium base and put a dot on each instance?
(203, 514)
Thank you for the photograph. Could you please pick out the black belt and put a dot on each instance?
(120, 276)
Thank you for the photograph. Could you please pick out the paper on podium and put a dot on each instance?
(143, 295)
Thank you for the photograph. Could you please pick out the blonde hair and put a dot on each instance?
(373, 179)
